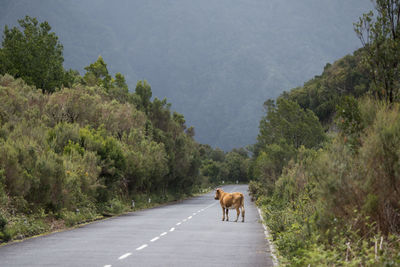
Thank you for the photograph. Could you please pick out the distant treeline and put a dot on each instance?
(74, 147)
(325, 169)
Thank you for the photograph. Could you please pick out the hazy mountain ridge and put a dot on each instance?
(216, 61)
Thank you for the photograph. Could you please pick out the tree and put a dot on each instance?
(97, 74)
(119, 89)
(120, 81)
(238, 166)
(190, 131)
(217, 155)
(143, 91)
(211, 170)
(287, 122)
(179, 119)
(160, 114)
(380, 38)
(215, 171)
(71, 77)
(34, 54)
(349, 120)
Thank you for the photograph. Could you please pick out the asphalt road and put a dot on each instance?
(189, 233)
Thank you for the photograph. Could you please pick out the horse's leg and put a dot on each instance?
(227, 218)
(223, 214)
(237, 214)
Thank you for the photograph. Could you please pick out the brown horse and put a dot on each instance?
(230, 201)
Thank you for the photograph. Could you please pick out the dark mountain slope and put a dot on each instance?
(217, 61)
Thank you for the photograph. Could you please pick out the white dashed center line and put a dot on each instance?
(142, 247)
(210, 205)
(162, 234)
(154, 239)
(124, 256)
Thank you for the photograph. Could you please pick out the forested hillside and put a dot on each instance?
(74, 148)
(216, 61)
(325, 167)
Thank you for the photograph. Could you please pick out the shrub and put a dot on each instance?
(3, 222)
(79, 215)
(339, 205)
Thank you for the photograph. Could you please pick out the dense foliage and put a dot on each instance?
(34, 54)
(347, 76)
(335, 201)
(380, 36)
(219, 167)
(75, 152)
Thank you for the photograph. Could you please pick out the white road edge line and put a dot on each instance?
(269, 239)
(172, 229)
(179, 223)
(194, 213)
(126, 255)
(162, 234)
(107, 265)
(142, 247)
(154, 239)
(184, 220)
(190, 217)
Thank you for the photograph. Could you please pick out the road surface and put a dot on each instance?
(189, 233)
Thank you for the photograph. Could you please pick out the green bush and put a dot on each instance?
(78, 216)
(339, 205)
(20, 226)
(3, 196)
(115, 207)
(5, 235)
(3, 222)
